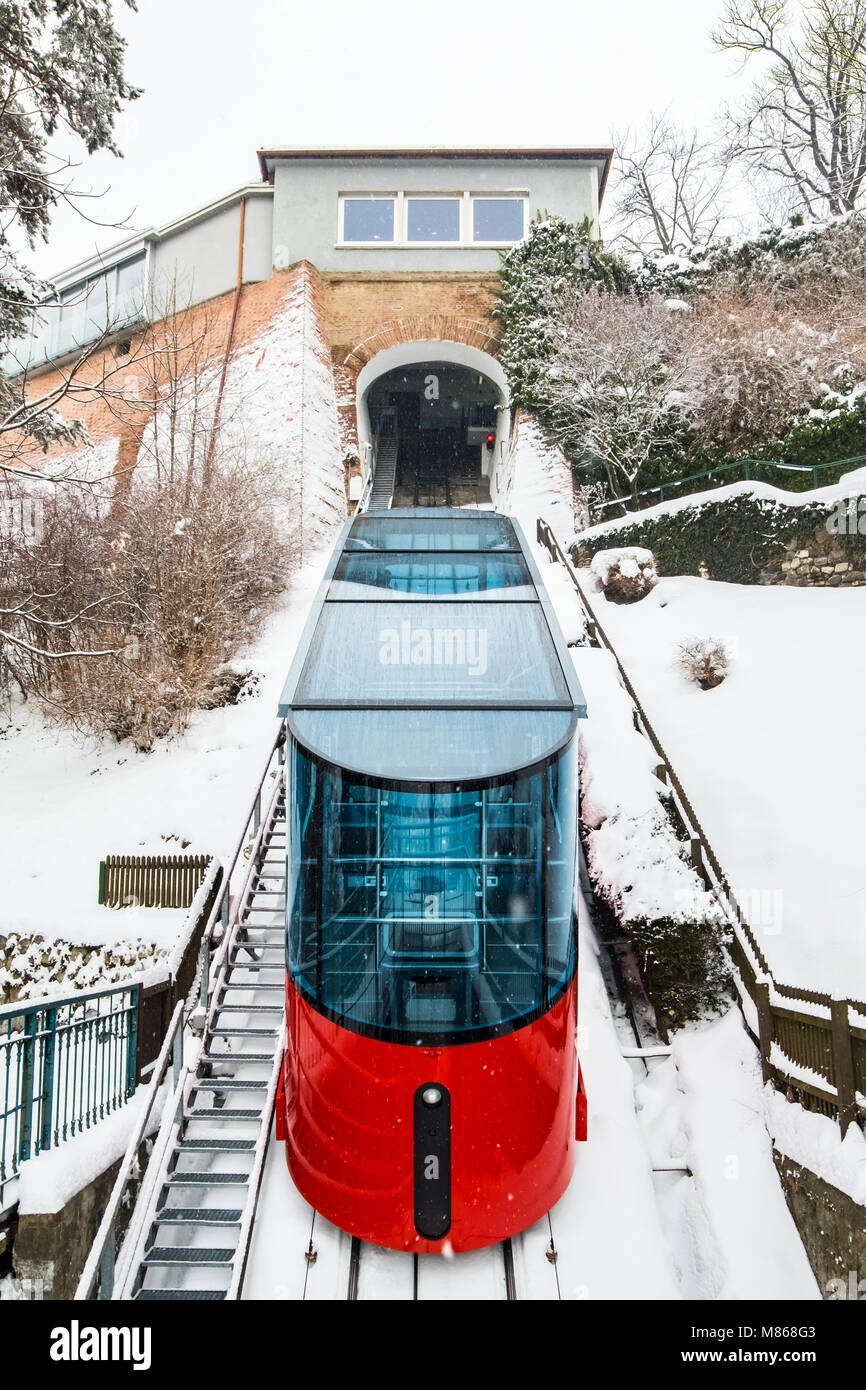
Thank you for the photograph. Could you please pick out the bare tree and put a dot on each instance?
(804, 123)
(618, 362)
(126, 615)
(668, 194)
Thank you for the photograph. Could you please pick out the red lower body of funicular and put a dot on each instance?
(345, 1110)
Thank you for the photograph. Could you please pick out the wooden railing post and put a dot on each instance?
(843, 1063)
(765, 1026)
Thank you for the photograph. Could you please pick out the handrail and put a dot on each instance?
(748, 463)
(131, 1253)
(99, 1269)
(48, 1092)
(219, 913)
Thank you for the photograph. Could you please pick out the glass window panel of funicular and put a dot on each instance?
(414, 928)
(482, 532)
(432, 653)
(377, 575)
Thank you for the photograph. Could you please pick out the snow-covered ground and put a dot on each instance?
(66, 803)
(773, 759)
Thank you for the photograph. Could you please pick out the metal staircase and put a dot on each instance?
(385, 475)
(189, 1233)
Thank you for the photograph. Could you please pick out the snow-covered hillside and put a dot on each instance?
(773, 758)
(67, 803)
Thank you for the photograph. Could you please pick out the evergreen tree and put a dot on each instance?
(61, 66)
(555, 255)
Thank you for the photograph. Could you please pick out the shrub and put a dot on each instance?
(704, 660)
(684, 968)
(625, 575)
(734, 536)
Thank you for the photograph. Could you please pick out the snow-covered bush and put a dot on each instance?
(625, 575)
(638, 864)
(735, 533)
(704, 660)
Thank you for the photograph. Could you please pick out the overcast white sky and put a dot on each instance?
(223, 78)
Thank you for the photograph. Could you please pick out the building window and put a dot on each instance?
(433, 220)
(498, 219)
(110, 300)
(368, 219)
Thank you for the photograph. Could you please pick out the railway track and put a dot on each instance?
(420, 1269)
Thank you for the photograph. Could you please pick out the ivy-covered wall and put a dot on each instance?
(744, 537)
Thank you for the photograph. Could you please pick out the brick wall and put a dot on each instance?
(360, 306)
(354, 316)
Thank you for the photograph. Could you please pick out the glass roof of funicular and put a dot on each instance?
(432, 652)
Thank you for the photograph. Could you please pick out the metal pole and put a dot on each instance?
(49, 1050)
(177, 1055)
(28, 1046)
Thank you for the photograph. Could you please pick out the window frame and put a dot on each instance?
(498, 197)
(366, 197)
(407, 198)
(466, 200)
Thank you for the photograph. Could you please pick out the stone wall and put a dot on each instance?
(833, 1230)
(822, 561)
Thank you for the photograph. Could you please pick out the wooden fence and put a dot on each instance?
(812, 1048)
(127, 880)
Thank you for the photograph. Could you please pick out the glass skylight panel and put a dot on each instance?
(374, 576)
(498, 219)
(441, 653)
(433, 745)
(368, 219)
(481, 532)
(433, 219)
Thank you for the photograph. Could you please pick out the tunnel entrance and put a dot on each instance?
(435, 423)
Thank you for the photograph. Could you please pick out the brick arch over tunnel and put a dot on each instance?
(412, 351)
(447, 328)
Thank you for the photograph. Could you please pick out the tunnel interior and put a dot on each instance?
(442, 418)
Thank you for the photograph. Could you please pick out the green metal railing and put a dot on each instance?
(65, 1063)
(752, 470)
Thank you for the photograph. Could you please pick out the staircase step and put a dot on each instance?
(212, 1113)
(216, 1145)
(207, 1180)
(180, 1295)
(252, 984)
(199, 1216)
(236, 1057)
(187, 1255)
(228, 1083)
(250, 1008)
(244, 1032)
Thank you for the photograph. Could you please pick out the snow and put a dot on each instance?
(628, 560)
(772, 759)
(535, 481)
(815, 1141)
(48, 1181)
(634, 856)
(704, 1106)
(68, 802)
(278, 411)
(852, 484)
